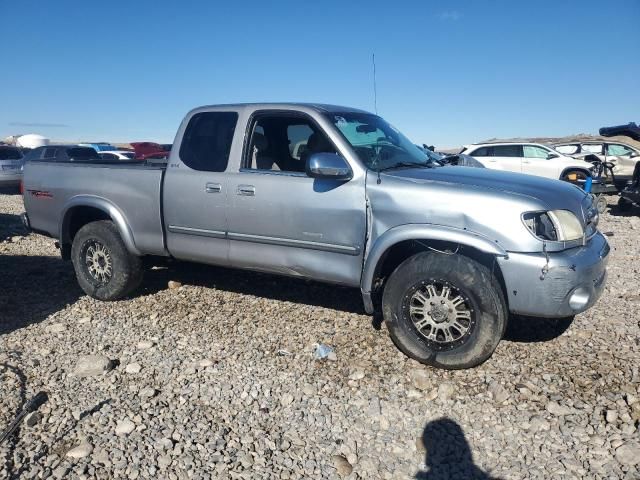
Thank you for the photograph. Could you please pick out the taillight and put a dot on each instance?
(21, 188)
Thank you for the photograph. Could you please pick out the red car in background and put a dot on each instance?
(151, 150)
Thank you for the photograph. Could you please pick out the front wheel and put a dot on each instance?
(104, 267)
(444, 310)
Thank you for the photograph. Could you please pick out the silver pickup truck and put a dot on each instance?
(338, 195)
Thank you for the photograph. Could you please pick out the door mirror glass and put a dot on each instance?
(634, 154)
(328, 165)
(552, 156)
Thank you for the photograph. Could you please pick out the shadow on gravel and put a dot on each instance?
(448, 455)
(11, 226)
(32, 288)
(257, 284)
(528, 329)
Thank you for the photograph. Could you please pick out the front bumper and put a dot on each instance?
(558, 285)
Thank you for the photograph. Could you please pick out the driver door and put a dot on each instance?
(283, 221)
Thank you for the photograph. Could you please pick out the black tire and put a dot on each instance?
(474, 283)
(125, 273)
(624, 205)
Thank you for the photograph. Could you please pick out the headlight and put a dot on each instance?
(554, 226)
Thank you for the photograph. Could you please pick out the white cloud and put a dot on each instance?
(450, 15)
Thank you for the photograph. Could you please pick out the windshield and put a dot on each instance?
(378, 144)
(10, 153)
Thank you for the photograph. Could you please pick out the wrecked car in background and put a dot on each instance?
(623, 157)
(444, 252)
(10, 165)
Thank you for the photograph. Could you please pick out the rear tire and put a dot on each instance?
(430, 324)
(104, 267)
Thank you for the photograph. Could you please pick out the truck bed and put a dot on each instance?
(132, 188)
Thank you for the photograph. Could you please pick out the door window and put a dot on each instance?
(284, 143)
(207, 141)
(507, 151)
(567, 149)
(481, 152)
(531, 151)
(49, 153)
(618, 150)
(592, 148)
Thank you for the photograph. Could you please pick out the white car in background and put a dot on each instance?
(623, 157)
(117, 155)
(529, 158)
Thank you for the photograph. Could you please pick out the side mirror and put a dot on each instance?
(328, 165)
(634, 155)
(552, 156)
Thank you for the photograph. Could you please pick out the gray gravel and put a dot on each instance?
(215, 378)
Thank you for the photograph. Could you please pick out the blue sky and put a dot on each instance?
(448, 73)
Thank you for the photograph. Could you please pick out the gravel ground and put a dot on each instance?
(215, 378)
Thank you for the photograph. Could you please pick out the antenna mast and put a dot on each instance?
(375, 90)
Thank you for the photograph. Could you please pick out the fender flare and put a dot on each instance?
(420, 232)
(107, 207)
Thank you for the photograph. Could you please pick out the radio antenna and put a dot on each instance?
(375, 90)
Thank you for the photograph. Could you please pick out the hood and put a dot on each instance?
(487, 202)
(546, 191)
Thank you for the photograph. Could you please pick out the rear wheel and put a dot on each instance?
(443, 310)
(104, 267)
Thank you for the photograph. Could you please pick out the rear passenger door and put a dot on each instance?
(283, 221)
(623, 157)
(196, 191)
(507, 157)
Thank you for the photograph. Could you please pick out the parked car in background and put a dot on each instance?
(117, 155)
(99, 146)
(151, 150)
(529, 158)
(444, 253)
(10, 165)
(623, 157)
(62, 153)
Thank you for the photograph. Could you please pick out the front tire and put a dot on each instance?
(444, 310)
(104, 267)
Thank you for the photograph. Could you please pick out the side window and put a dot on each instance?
(108, 156)
(280, 142)
(592, 148)
(507, 151)
(567, 149)
(49, 153)
(481, 152)
(207, 141)
(618, 150)
(531, 151)
(298, 135)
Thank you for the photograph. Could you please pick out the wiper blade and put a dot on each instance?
(405, 164)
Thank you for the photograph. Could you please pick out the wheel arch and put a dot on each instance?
(85, 209)
(567, 170)
(399, 243)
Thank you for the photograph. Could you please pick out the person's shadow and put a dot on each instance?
(448, 455)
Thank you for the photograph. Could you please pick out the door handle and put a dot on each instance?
(213, 188)
(248, 190)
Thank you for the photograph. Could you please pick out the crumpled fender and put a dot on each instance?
(422, 232)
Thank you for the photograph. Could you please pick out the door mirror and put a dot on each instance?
(328, 165)
(551, 156)
(634, 154)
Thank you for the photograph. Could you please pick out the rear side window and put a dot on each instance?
(82, 153)
(10, 153)
(207, 141)
(481, 152)
(507, 151)
(592, 148)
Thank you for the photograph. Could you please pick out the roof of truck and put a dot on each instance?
(320, 107)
